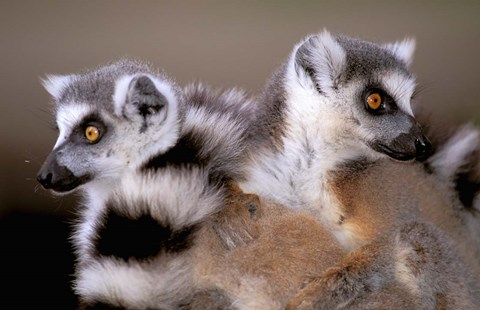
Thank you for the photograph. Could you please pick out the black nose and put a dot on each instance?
(423, 148)
(45, 179)
(57, 177)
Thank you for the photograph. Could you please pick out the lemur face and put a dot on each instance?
(367, 89)
(109, 120)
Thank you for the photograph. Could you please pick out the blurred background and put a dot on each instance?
(224, 43)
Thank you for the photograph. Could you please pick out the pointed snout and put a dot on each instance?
(57, 177)
(406, 146)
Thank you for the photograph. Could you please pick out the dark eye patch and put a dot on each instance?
(388, 104)
(89, 120)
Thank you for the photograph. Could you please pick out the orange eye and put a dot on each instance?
(374, 101)
(92, 133)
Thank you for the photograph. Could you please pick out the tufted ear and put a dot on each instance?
(146, 100)
(149, 105)
(403, 50)
(138, 96)
(322, 59)
(56, 84)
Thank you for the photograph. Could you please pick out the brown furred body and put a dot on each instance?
(259, 254)
(412, 247)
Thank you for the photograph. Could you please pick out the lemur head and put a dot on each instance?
(109, 119)
(362, 91)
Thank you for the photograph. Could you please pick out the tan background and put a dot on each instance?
(228, 43)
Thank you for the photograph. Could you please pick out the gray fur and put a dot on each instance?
(364, 58)
(225, 148)
(268, 127)
(95, 87)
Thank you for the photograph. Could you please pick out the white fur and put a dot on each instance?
(120, 93)
(55, 84)
(121, 90)
(453, 154)
(403, 49)
(96, 193)
(329, 58)
(152, 285)
(316, 140)
(69, 116)
(85, 230)
(160, 135)
(297, 176)
(178, 197)
(401, 88)
(218, 131)
(130, 146)
(159, 140)
(231, 97)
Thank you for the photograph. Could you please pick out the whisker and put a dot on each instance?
(45, 115)
(59, 206)
(419, 90)
(32, 158)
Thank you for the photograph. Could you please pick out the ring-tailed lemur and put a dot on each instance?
(337, 106)
(160, 227)
(335, 100)
(116, 119)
